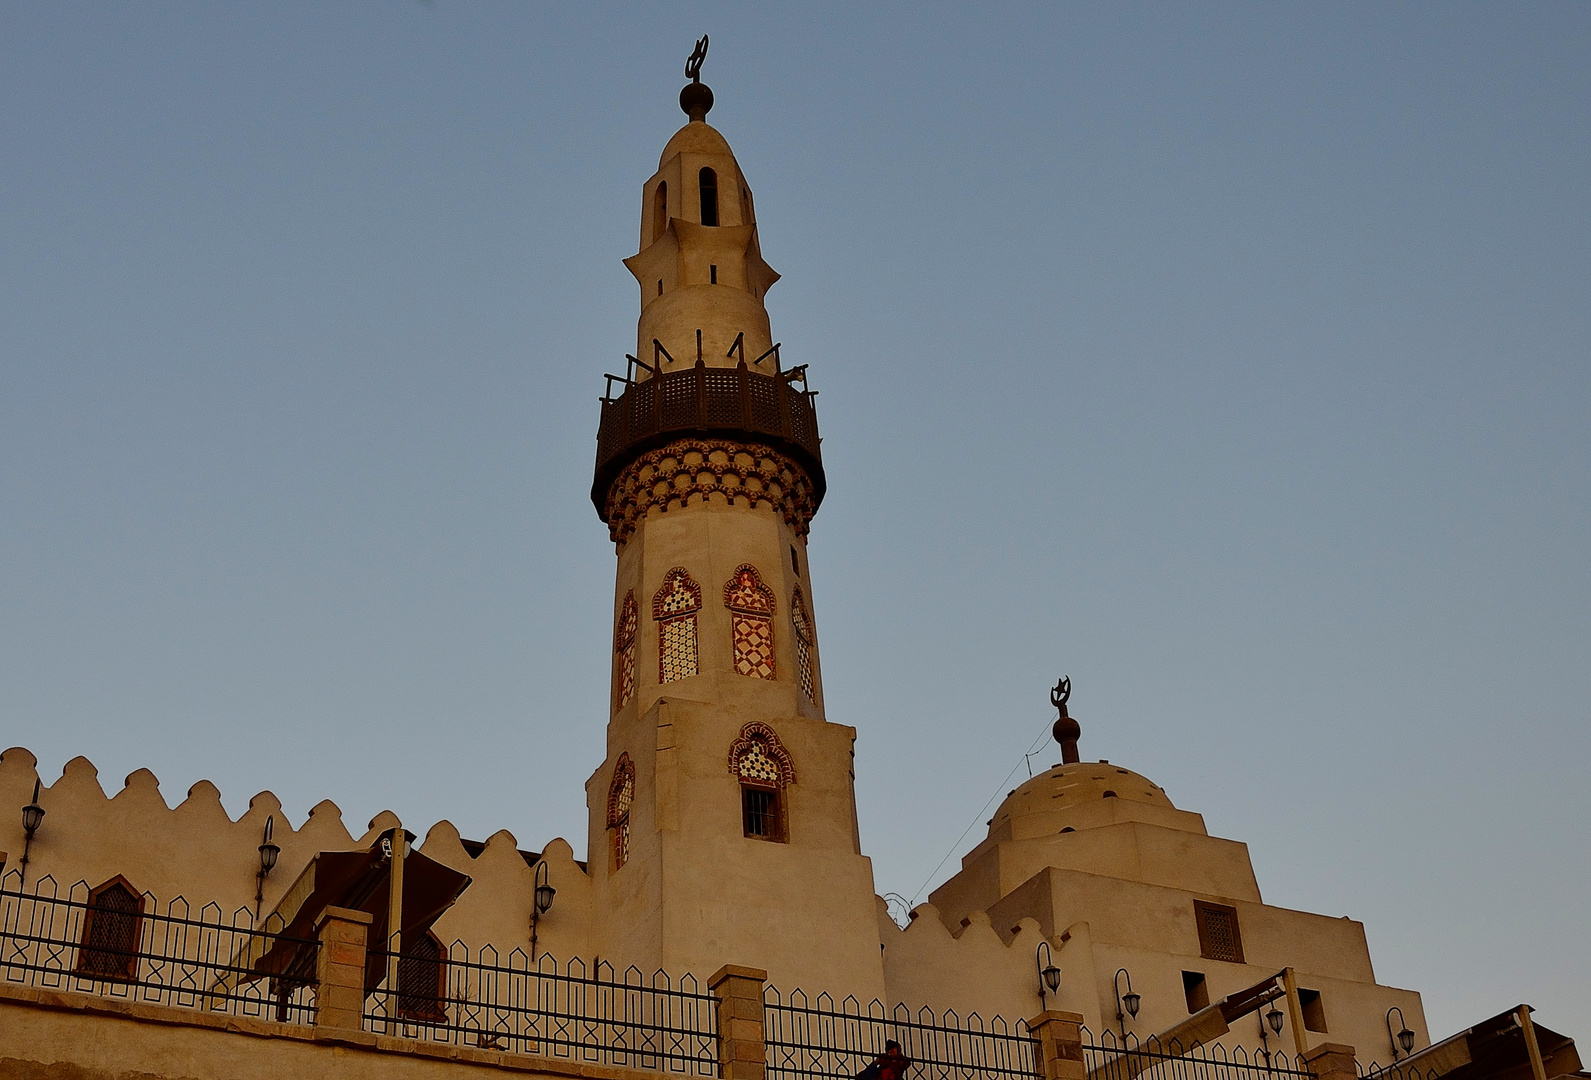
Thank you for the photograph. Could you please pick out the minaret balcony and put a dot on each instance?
(729, 403)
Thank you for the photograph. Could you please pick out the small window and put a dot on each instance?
(795, 561)
(1219, 936)
(712, 275)
(1314, 1010)
(1108, 795)
(112, 927)
(422, 981)
(761, 812)
(660, 210)
(1196, 991)
(660, 286)
(708, 181)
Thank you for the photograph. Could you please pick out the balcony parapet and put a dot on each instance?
(724, 402)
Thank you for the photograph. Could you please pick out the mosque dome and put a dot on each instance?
(696, 137)
(1071, 787)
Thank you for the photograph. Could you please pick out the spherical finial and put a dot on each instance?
(1066, 730)
(697, 98)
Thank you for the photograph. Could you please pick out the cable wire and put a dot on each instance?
(1037, 743)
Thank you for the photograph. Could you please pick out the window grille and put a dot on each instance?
(1219, 936)
(762, 765)
(760, 810)
(621, 794)
(674, 608)
(751, 607)
(624, 648)
(803, 642)
(112, 926)
(422, 980)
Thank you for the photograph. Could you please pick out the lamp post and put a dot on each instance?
(32, 818)
(1404, 1037)
(268, 856)
(541, 901)
(1049, 974)
(1128, 1001)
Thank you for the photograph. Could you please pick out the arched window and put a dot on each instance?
(660, 210)
(621, 794)
(751, 606)
(674, 608)
(624, 648)
(112, 926)
(763, 766)
(803, 643)
(708, 181)
(422, 980)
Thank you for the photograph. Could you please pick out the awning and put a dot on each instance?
(357, 880)
(1494, 1049)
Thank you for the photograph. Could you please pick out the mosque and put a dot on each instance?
(722, 845)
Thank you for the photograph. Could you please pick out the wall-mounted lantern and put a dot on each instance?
(32, 818)
(541, 902)
(268, 856)
(1274, 1018)
(1049, 974)
(1404, 1038)
(1128, 1001)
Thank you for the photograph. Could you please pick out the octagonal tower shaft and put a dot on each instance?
(723, 821)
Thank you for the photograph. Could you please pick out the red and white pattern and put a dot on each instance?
(752, 605)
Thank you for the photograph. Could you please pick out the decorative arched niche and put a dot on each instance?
(674, 608)
(751, 606)
(624, 649)
(621, 794)
(759, 760)
(113, 923)
(804, 640)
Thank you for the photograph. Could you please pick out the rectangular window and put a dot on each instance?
(1314, 1010)
(1196, 990)
(761, 812)
(1219, 936)
(712, 276)
(677, 656)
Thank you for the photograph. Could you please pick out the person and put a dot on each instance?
(890, 1065)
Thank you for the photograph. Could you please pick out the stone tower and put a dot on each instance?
(723, 820)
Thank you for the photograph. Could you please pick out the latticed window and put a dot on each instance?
(803, 643)
(751, 605)
(763, 766)
(621, 794)
(1219, 936)
(674, 608)
(112, 926)
(624, 648)
(422, 980)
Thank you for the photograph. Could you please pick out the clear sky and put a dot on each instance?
(1233, 359)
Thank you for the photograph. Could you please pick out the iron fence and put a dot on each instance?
(548, 1009)
(1397, 1070)
(807, 1039)
(1110, 1057)
(118, 943)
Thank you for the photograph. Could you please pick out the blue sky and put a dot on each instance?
(1230, 358)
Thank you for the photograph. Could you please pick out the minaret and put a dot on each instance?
(723, 821)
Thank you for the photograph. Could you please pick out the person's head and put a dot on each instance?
(892, 1047)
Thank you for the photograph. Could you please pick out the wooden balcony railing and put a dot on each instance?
(733, 403)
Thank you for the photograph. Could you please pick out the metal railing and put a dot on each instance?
(810, 1039)
(706, 399)
(116, 943)
(1397, 1070)
(550, 1010)
(1110, 1057)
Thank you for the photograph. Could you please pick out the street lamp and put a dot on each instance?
(1049, 974)
(1404, 1038)
(32, 818)
(541, 902)
(1274, 1018)
(1128, 1001)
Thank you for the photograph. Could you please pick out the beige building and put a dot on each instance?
(143, 938)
